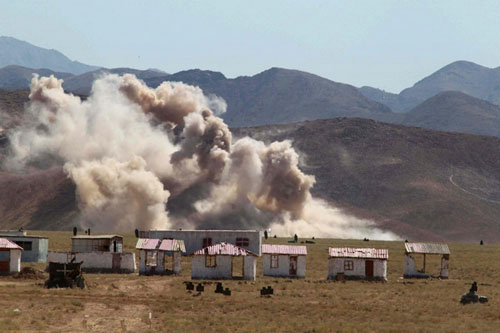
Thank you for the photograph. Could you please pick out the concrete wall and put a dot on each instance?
(283, 268)
(15, 261)
(222, 270)
(96, 245)
(193, 239)
(409, 269)
(336, 265)
(96, 261)
(39, 248)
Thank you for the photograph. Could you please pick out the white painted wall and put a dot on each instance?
(98, 261)
(15, 261)
(283, 268)
(222, 270)
(249, 267)
(336, 265)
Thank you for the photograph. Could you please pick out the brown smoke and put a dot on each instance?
(132, 151)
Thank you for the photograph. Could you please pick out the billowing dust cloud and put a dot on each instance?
(162, 158)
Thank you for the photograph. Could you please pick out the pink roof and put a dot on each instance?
(161, 245)
(147, 243)
(172, 245)
(348, 252)
(7, 244)
(224, 249)
(284, 249)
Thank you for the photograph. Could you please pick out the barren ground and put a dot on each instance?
(122, 303)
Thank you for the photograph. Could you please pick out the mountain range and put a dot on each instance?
(17, 52)
(463, 76)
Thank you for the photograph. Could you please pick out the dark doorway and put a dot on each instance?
(369, 268)
(114, 246)
(117, 259)
(293, 265)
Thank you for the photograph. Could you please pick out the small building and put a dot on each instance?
(154, 255)
(10, 257)
(357, 263)
(97, 243)
(195, 240)
(35, 247)
(217, 262)
(99, 253)
(424, 249)
(284, 260)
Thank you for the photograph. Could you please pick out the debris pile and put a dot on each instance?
(29, 273)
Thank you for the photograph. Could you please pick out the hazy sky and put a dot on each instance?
(385, 44)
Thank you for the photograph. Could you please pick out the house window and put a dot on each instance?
(209, 261)
(348, 265)
(274, 261)
(25, 245)
(242, 242)
(151, 258)
(207, 242)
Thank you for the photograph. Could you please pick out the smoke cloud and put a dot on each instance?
(162, 158)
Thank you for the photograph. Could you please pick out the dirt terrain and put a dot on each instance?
(122, 303)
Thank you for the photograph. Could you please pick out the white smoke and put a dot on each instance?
(131, 150)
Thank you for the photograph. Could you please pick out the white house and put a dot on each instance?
(413, 249)
(99, 253)
(10, 257)
(154, 255)
(216, 262)
(194, 240)
(284, 260)
(357, 263)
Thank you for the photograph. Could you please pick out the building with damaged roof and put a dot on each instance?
(412, 250)
(218, 262)
(156, 255)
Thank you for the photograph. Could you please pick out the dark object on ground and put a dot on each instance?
(481, 242)
(472, 296)
(219, 289)
(189, 286)
(310, 242)
(406, 241)
(313, 238)
(295, 238)
(227, 292)
(136, 233)
(265, 234)
(29, 274)
(200, 287)
(266, 291)
(75, 231)
(65, 275)
(274, 236)
(366, 239)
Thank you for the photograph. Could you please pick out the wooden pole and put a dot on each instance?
(424, 264)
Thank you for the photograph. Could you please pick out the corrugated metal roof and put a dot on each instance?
(161, 245)
(349, 252)
(284, 249)
(428, 248)
(224, 249)
(96, 236)
(7, 244)
(147, 243)
(172, 245)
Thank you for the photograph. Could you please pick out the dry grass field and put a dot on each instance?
(122, 303)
